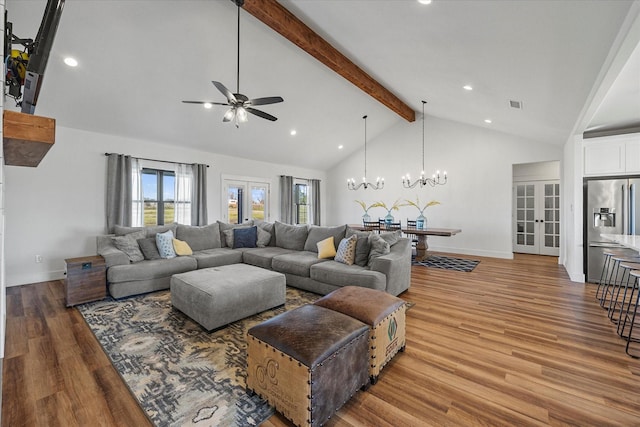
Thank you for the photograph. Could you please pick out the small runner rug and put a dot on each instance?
(180, 374)
(449, 263)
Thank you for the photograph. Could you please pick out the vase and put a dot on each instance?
(421, 222)
(389, 218)
(366, 217)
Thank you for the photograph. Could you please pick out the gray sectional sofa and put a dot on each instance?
(381, 262)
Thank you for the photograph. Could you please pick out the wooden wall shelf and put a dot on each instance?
(27, 138)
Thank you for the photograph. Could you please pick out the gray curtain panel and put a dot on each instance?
(119, 191)
(286, 199)
(315, 202)
(199, 197)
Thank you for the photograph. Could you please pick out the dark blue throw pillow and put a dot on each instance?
(245, 237)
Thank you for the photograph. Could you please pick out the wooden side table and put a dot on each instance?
(86, 280)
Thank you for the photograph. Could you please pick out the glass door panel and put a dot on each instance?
(537, 218)
(245, 200)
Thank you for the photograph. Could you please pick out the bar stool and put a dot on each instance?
(608, 254)
(615, 304)
(630, 315)
(611, 283)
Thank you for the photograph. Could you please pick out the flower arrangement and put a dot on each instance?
(416, 204)
(421, 221)
(396, 206)
(363, 205)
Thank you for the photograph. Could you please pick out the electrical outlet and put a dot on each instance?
(38, 258)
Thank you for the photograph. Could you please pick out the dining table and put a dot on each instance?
(421, 235)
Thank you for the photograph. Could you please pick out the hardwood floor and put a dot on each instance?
(512, 343)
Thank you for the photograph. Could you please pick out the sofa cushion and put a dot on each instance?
(129, 245)
(262, 257)
(297, 263)
(291, 236)
(346, 253)
(217, 257)
(200, 237)
(164, 241)
(147, 270)
(245, 237)
(362, 246)
(338, 274)
(149, 248)
(155, 229)
(317, 234)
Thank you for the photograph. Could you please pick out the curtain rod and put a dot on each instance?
(154, 160)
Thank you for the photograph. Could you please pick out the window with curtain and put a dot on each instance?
(148, 192)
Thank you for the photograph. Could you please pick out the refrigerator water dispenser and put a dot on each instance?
(604, 217)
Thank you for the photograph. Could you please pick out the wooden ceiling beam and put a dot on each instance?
(274, 15)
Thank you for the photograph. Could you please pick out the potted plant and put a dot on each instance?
(396, 206)
(421, 221)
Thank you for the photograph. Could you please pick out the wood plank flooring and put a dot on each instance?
(512, 343)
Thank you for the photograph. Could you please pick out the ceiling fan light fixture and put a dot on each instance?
(229, 115)
(242, 115)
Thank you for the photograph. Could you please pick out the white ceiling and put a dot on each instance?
(140, 59)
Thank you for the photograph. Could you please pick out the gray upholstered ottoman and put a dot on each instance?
(216, 296)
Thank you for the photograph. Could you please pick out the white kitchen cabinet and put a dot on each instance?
(612, 155)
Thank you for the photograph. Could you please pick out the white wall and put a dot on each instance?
(571, 254)
(57, 209)
(477, 198)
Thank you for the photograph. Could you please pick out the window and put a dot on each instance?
(158, 192)
(245, 199)
(301, 200)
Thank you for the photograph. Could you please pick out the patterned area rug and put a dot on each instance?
(180, 374)
(449, 263)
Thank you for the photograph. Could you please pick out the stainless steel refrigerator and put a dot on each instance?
(612, 206)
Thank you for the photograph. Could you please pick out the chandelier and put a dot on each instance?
(435, 179)
(351, 183)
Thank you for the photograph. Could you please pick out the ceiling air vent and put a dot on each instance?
(515, 104)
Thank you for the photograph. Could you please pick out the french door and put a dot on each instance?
(536, 217)
(245, 200)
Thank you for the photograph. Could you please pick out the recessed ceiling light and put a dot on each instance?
(467, 87)
(208, 105)
(340, 147)
(424, 1)
(293, 132)
(71, 62)
(487, 120)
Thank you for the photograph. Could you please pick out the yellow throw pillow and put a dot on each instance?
(181, 247)
(326, 248)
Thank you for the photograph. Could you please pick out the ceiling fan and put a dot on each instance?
(240, 104)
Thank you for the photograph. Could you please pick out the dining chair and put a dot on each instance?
(411, 224)
(371, 226)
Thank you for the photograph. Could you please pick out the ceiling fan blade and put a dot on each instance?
(204, 102)
(265, 101)
(226, 92)
(261, 114)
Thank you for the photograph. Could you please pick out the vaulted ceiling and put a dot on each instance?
(139, 59)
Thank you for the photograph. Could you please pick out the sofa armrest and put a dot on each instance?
(112, 255)
(396, 266)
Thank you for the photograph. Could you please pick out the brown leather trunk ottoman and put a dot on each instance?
(307, 362)
(385, 315)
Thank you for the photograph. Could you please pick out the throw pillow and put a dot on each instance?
(245, 237)
(264, 238)
(164, 241)
(391, 237)
(226, 226)
(379, 247)
(326, 248)
(346, 253)
(362, 247)
(129, 245)
(181, 248)
(269, 227)
(228, 238)
(149, 248)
